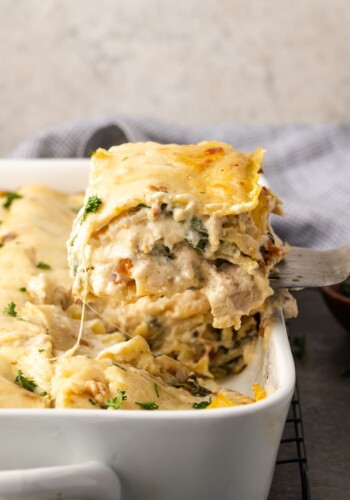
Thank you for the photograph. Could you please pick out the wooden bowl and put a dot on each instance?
(338, 303)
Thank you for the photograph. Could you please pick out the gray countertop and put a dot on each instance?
(325, 405)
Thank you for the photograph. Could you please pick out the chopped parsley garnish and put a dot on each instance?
(44, 393)
(116, 402)
(119, 366)
(92, 152)
(148, 405)
(156, 388)
(22, 289)
(92, 205)
(10, 309)
(202, 405)
(43, 265)
(41, 350)
(10, 197)
(25, 382)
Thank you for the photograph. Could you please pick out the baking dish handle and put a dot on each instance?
(87, 481)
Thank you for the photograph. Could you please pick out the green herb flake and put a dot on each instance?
(156, 388)
(10, 309)
(116, 402)
(202, 405)
(92, 205)
(148, 405)
(92, 152)
(26, 383)
(346, 373)
(42, 394)
(10, 197)
(114, 363)
(299, 347)
(43, 265)
(41, 350)
(22, 289)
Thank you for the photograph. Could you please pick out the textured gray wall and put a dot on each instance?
(188, 61)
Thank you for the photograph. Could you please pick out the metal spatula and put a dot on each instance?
(305, 267)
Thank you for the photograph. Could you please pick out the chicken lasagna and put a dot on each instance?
(166, 289)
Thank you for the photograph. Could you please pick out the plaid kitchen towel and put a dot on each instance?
(308, 166)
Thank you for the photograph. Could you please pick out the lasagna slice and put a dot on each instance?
(163, 219)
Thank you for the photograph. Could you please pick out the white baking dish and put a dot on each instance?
(227, 453)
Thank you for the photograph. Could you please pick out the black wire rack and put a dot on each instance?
(292, 448)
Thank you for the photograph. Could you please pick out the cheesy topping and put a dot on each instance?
(222, 180)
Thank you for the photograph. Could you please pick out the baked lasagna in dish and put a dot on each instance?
(40, 323)
(167, 289)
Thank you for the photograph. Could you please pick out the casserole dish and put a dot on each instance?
(222, 453)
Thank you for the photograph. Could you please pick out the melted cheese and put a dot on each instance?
(221, 179)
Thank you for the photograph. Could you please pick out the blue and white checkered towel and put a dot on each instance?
(307, 166)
